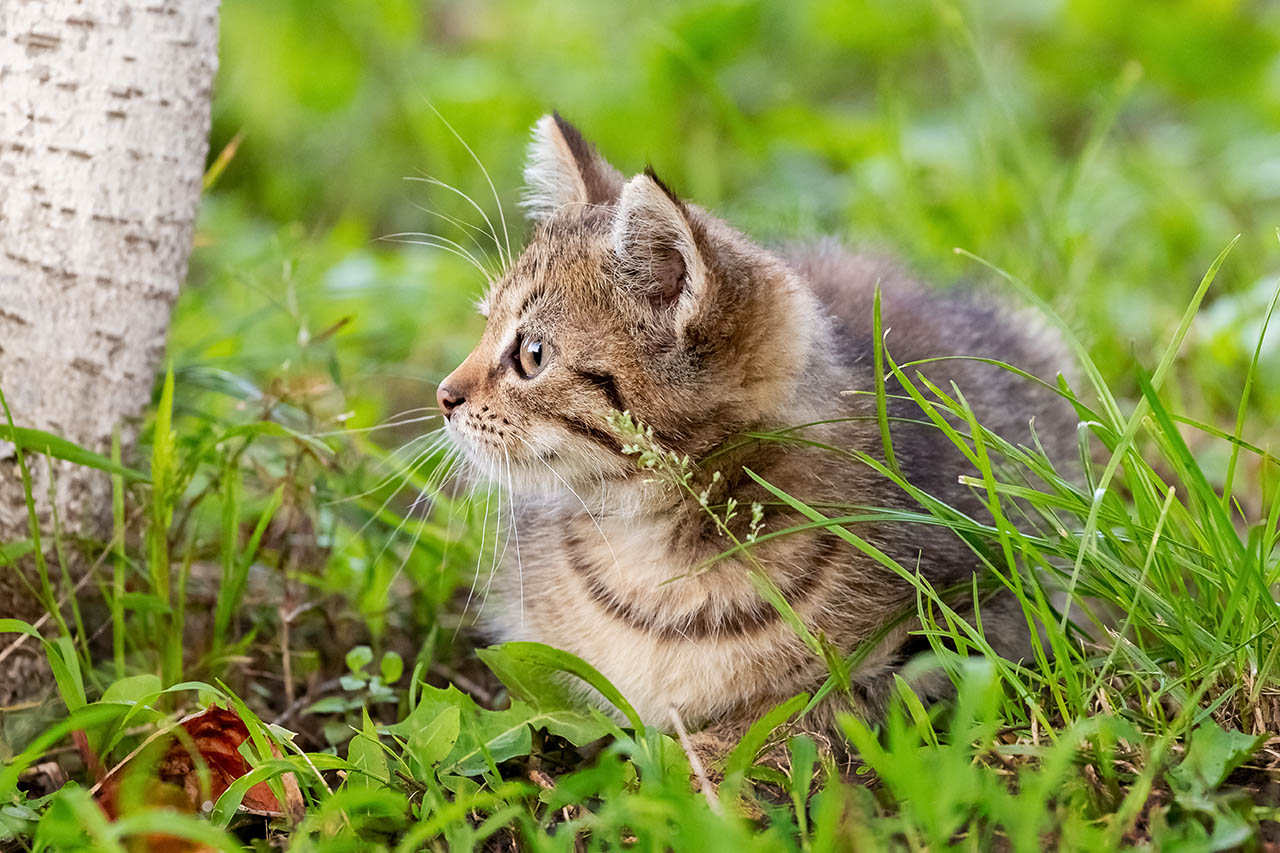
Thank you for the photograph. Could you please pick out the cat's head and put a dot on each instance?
(625, 298)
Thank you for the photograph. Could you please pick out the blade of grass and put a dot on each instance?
(236, 568)
(882, 408)
(49, 600)
(1242, 408)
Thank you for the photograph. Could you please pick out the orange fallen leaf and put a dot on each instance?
(216, 735)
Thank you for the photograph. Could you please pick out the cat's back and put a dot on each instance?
(960, 327)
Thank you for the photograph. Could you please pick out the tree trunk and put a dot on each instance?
(104, 123)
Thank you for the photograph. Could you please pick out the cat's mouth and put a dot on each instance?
(493, 456)
(539, 464)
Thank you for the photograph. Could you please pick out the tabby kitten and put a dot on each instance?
(629, 299)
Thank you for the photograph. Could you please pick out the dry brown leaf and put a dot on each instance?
(216, 735)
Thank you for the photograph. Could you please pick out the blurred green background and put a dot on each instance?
(1104, 152)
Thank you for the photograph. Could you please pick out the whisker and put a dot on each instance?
(384, 425)
(431, 437)
(515, 529)
(464, 502)
(434, 485)
(471, 230)
(506, 541)
(434, 440)
(585, 508)
(417, 464)
(497, 201)
(475, 578)
(454, 244)
(493, 232)
(460, 251)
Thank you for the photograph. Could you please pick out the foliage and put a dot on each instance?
(287, 542)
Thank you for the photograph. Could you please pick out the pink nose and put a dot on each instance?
(448, 400)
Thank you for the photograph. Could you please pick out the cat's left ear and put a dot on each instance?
(563, 169)
(657, 252)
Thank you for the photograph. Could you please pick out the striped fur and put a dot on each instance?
(650, 304)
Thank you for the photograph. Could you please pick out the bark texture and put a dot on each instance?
(104, 123)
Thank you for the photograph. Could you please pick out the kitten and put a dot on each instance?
(629, 299)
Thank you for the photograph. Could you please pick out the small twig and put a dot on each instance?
(475, 689)
(286, 662)
(696, 763)
(305, 699)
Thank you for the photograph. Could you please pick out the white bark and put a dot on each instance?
(104, 122)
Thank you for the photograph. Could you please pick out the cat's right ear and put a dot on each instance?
(563, 168)
(655, 246)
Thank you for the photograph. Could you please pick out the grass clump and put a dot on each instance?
(1147, 717)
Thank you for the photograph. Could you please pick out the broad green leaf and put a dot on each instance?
(534, 672)
(493, 735)
(368, 761)
(358, 658)
(1212, 753)
(501, 734)
(391, 667)
(13, 551)
(334, 705)
(433, 743)
(135, 688)
(547, 693)
(134, 693)
(463, 786)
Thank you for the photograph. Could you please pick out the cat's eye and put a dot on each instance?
(532, 355)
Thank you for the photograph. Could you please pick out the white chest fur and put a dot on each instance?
(576, 585)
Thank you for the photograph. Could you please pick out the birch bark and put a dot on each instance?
(104, 123)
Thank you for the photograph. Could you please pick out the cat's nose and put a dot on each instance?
(448, 400)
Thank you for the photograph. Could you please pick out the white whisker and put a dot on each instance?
(384, 425)
(585, 508)
(515, 529)
(497, 201)
(469, 228)
(497, 557)
(443, 245)
(435, 483)
(420, 460)
(435, 440)
(408, 513)
(445, 241)
(484, 529)
(493, 232)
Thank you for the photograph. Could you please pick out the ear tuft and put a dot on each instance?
(563, 168)
(654, 244)
(670, 193)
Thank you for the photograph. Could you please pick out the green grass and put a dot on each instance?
(268, 552)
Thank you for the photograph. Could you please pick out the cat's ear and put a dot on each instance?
(563, 168)
(655, 244)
